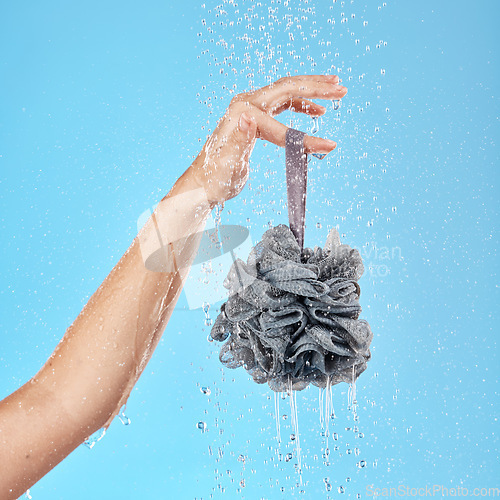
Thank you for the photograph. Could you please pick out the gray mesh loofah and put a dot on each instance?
(292, 314)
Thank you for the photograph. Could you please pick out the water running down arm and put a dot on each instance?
(92, 371)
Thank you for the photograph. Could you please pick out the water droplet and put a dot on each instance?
(319, 156)
(202, 426)
(315, 127)
(206, 310)
(288, 457)
(335, 436)
(292, 437)
(123, 418)
(318, 225)
(382, 71)
(94, 438)
(341, 489)
(206, 390)
(336, 104)
(361, 464)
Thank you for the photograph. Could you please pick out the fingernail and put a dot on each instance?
(244, 122)
(331, 143)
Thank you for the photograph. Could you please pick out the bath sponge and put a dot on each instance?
(292, 314)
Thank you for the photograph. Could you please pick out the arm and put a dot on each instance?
(92, 371)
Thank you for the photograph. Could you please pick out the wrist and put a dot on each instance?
(192, 181)
(203, 175)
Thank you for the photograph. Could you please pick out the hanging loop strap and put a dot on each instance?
(296, 182)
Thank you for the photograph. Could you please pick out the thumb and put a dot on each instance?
(246, 131)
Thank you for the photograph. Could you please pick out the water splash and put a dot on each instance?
(277, 417)
(217, 220)
(292, 395)
(351, 395)
(326, 413)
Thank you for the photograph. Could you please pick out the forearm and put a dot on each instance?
(95, 366)
(106, 349)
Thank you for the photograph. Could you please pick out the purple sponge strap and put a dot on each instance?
(296, 182)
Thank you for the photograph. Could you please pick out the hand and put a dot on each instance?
(221, 168)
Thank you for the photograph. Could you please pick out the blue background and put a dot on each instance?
(104, 104)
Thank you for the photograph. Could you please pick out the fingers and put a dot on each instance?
(275, 96)
(273, 131)
(301, 106)
(317, 90)
(318, 145)
(253, 112)
(334, 79)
